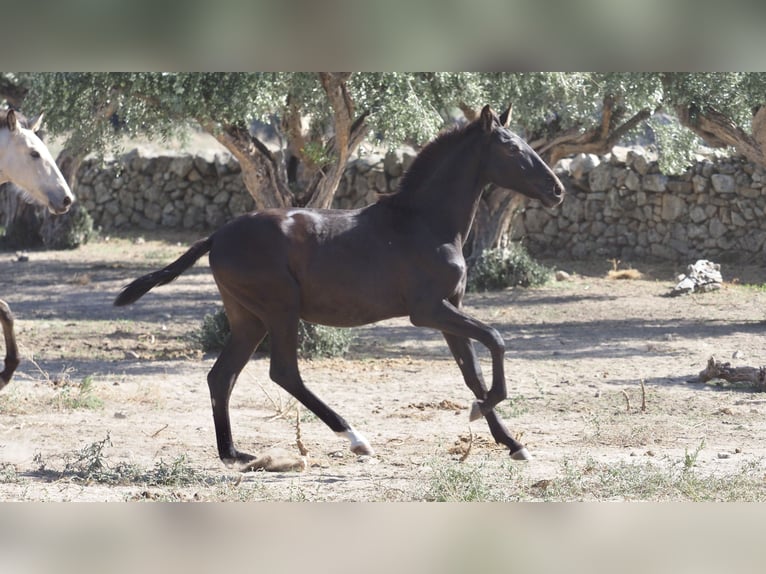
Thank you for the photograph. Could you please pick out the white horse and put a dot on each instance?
(26, 162)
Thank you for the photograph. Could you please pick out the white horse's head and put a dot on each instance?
(26, 162)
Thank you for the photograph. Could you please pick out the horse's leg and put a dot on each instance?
(448, 319)
(247, 332)
(283, 338)
(11, 349)
(462, 350)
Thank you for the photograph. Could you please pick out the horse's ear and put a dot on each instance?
(36, 123)
(488, 118)
(11, 120)
(505, 117)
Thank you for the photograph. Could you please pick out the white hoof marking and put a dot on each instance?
(359, 444)
(521, 454)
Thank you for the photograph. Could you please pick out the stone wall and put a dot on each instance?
(147, 191)
(622, 206)
(617, 206)
(169, 191)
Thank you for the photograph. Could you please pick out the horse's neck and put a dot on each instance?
(450, 195)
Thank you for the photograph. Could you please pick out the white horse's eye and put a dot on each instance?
(35, 154)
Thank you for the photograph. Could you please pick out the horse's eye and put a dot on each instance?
(35, 154)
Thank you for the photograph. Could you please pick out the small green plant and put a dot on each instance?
(690, 458)
(313, 340)
(79, 397)
(506, 267)
(457, 482)
(214, 331)
(68, 231)
(176, 473)
(8, 473)
(89, 463)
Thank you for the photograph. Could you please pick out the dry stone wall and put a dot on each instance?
(617, 206)
(622, 206)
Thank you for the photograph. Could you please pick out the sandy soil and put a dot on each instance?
(577, 353)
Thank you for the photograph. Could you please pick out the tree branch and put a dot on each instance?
(719, 130)
(349, 133)
(596, 140)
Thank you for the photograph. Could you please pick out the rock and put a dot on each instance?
(582, 164)
(723, 183)
(701, 277)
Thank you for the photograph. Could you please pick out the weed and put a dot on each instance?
(313, 340)
(176, 473)
(678, 480)
(457, 482)
(8, 473)
(90, 464)
(82, 397)
(504, 267)
(690, 459)
(512, 407)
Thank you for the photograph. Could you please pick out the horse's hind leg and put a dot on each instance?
(247, 332)
(463, 351)
(11, 349)
(284, 371)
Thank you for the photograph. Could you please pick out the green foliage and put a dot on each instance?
(214, 332)
(457, 482)
(316, 341)
(80, 397)
(313, 340)
(68, 231)
(504, 267)
(399, 106)
(91, 464)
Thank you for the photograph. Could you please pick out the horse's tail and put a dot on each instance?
(138, 288)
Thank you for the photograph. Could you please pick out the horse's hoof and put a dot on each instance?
(359, 444)
(475, 413)
(521, 454)
(362, 449)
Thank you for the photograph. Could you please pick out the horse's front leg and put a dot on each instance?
(450, 320)
(11, 349)
(463, 351)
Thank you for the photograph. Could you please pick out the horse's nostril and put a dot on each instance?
(67, 201)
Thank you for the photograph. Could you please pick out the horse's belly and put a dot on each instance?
(342, 310)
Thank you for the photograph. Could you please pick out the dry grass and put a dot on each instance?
(624, 274)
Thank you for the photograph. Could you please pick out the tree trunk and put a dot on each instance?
(268, 177)
(260, 170)
(497, 209)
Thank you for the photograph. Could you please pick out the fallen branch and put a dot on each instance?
(754, 377)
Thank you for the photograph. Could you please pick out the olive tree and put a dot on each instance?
(319, 120)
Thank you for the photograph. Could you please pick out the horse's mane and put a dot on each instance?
(424, 164)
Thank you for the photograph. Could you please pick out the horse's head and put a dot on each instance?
(511, 163)
(27, 162)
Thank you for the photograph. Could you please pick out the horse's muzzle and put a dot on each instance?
(62, 207)
(555, 197)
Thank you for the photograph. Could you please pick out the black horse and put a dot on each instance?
(401, 256)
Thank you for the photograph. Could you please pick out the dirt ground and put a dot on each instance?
(130, 380)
